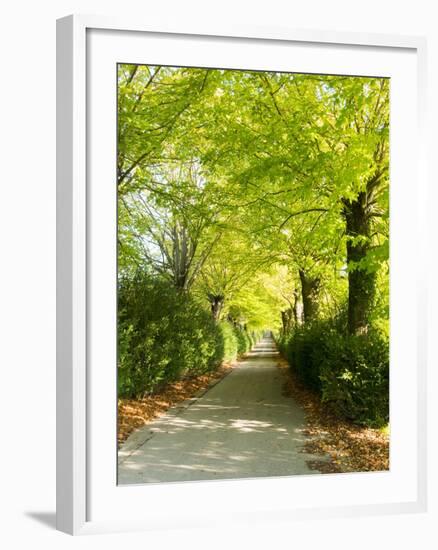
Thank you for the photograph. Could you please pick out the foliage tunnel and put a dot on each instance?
(253, 201)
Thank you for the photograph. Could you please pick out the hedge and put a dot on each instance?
(350, 373)
(163, 335)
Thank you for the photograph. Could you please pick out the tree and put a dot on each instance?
(307, 144)
(175, 222)
(298, 163)
(154, 106)
(230, 266)
(366, 108)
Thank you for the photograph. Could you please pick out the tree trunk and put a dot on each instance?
(181, 281)
(286, 319)
(217, 303)
(296, 309)
(309, 291)
(361, 283)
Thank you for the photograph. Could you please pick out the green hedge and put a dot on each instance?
(244, 340)
(355, 377)
(350, 373)
(304, 351)
(254, 337)
(230, 342)
(163, 335)
(237, 341)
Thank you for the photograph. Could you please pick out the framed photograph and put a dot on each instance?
(240, 296)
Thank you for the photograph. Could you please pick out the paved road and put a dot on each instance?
(242, 427)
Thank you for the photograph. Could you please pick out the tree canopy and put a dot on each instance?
(264, 195)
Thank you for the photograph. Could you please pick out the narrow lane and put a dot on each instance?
(242, 427)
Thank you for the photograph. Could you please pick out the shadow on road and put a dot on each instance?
(243, 427)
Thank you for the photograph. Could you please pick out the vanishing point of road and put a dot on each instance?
(242, 427)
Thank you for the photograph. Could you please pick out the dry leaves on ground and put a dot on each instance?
(351, 448)
(134, 413)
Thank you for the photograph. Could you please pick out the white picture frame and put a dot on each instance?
(76, 221)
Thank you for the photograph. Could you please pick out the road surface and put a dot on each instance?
(242, 427)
